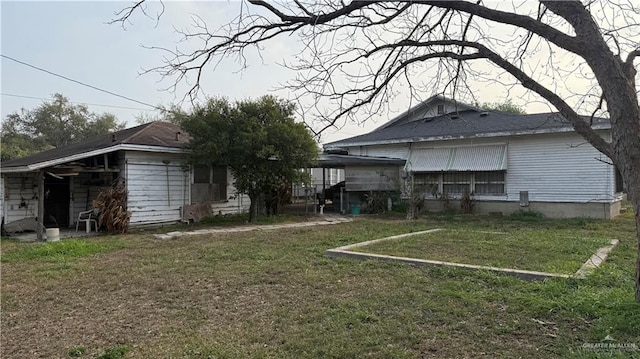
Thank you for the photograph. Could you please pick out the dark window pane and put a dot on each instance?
(201, 174)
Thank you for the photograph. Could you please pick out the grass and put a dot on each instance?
(273, 294)
(555, 251)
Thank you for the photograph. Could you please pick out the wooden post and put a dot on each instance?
(40, 214)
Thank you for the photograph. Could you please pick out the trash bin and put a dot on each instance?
(355, 209)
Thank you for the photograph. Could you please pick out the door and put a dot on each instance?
(56, 201)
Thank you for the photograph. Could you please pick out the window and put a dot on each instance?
(489, 182)
(209, 184)
(428, 183)
(202, 174)
(456, 182)
(441, 109)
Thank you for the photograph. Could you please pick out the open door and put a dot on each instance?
(56, 201)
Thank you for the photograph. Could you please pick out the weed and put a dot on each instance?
(114, 352)
(76, 352)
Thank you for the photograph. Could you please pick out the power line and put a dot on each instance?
(78, 82)
(81, 103)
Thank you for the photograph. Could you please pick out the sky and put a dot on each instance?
(75, 39)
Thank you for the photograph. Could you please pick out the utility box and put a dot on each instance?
(524, 198)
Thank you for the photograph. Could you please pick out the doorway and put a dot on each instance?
(56, 201)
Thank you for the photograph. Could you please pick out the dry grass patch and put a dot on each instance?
(272, 294)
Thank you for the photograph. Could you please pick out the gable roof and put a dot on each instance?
(153, 136)
(425, 105)
(466, 124)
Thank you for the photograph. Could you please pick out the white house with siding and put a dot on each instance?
(509, 162)
(149, 159)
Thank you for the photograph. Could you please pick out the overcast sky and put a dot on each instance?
(74, 39)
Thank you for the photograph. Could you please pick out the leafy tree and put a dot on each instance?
(507, 106)
(52, 124)
(578, 57)
(258, 140)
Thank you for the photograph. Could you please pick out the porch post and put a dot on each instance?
(40, 213)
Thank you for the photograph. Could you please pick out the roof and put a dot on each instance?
(458, 106)
(338, 161)
(466, 124)
(153, 136)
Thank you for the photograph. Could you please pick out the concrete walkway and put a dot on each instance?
(320, 221)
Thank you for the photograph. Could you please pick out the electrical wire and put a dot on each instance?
(78, 82)
(81, 103)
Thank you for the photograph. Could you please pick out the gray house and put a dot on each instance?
(508, 161)
(149, 159)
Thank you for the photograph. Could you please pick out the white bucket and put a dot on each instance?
(53, 234)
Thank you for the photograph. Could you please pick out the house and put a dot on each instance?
(507, 161)
(149, 159)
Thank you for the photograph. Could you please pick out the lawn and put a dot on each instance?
(273, 294)
(546, 250)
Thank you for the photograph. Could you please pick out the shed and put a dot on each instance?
(149, 159)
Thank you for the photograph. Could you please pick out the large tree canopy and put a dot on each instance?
(358, 56)
(258, 140)
(51, 125)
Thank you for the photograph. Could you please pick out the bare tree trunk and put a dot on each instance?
(637, 214)
(633, 193)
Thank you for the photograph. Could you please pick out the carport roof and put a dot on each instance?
(340, 161)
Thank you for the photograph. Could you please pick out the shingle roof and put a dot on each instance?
(161, 134)
(466, 124)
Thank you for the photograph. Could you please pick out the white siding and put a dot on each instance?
(236, 203)
(157, 190)
(21, 194)
(558, 168)
(551, 167)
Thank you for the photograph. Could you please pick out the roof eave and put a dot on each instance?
(339, 144)
(79, 156)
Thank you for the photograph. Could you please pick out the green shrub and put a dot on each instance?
(114, 352)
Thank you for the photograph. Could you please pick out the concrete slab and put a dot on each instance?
(345, 251)
(596, 260)
(316, 222)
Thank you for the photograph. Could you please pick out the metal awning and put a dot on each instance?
(468, 158)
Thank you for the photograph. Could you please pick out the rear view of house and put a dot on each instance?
(507, 161)
(149, 159)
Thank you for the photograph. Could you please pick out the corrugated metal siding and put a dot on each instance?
(20, 189)
(428, 159)
(558, 168)
(157, 191)
(471, 158)
(479, 158)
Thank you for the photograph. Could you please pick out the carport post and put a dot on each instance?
(40, 224)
